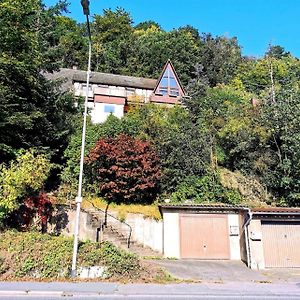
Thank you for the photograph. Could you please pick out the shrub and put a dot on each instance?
(118, 262)
(38, 208)
(127, 169)
(24, 176)
(111, 128)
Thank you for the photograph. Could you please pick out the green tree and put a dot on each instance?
(280, 170)
(219, 58)
(33, 112)
(180, 144)
(72, 43)
(153, 47)
(111, 41)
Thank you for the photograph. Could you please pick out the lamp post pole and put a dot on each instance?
(86, 11)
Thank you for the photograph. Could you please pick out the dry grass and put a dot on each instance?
(148, 211)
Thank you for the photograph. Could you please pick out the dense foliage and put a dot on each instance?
(142, 50)
(33, 112)
(242, 113)
(21, 178)
(127, 169)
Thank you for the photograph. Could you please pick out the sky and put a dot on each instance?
(256, 23)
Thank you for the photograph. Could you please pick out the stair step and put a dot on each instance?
(117, 237)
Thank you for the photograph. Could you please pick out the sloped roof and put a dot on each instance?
(169, 64)
(65, 76)
(71, 75)
(117, 80)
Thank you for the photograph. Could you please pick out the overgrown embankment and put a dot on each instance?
(27, 255)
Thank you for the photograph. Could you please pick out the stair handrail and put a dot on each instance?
(105, 212)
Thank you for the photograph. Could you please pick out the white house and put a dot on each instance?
(115, 94)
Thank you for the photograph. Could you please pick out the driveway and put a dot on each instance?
(225, 271)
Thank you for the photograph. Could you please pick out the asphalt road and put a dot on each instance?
(100, 290)
(157, 297)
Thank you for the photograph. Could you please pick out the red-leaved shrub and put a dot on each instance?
(37, 208)
(127, 169)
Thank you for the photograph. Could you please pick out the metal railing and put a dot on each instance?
(115, 218)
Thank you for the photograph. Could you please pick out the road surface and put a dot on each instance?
(111, 291)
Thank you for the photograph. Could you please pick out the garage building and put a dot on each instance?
(202, 231)
(274, 238)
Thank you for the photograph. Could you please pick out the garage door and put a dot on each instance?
(281, 242)
(204, 236)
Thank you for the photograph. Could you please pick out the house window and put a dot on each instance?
(168, 84)
(109, 109)
(163, 90)
(84, 87)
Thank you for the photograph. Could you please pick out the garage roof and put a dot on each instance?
(211, 208)
(285, 210)
(277, 213)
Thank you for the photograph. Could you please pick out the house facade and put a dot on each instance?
(115, 94)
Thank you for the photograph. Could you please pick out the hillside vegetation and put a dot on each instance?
(41, 256)
(235, 140)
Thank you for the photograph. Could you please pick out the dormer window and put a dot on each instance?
(168, 85)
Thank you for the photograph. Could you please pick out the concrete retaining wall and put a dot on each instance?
(63, 222)
(145, 231)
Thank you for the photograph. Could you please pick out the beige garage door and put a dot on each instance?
(281, 244)
(204, 236)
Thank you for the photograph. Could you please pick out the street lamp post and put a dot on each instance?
(85, 5)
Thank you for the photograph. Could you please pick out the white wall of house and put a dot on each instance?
(111, 90)
(100, 111)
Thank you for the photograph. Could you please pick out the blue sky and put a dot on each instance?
(255, 23)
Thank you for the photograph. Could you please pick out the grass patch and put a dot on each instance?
(149, 211)
(35, 255)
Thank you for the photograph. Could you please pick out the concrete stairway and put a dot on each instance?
(114, 232)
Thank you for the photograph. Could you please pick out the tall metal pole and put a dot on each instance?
(79, 194)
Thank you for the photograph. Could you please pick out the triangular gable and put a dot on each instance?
(168, 83)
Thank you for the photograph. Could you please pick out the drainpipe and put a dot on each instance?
(245, 228)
